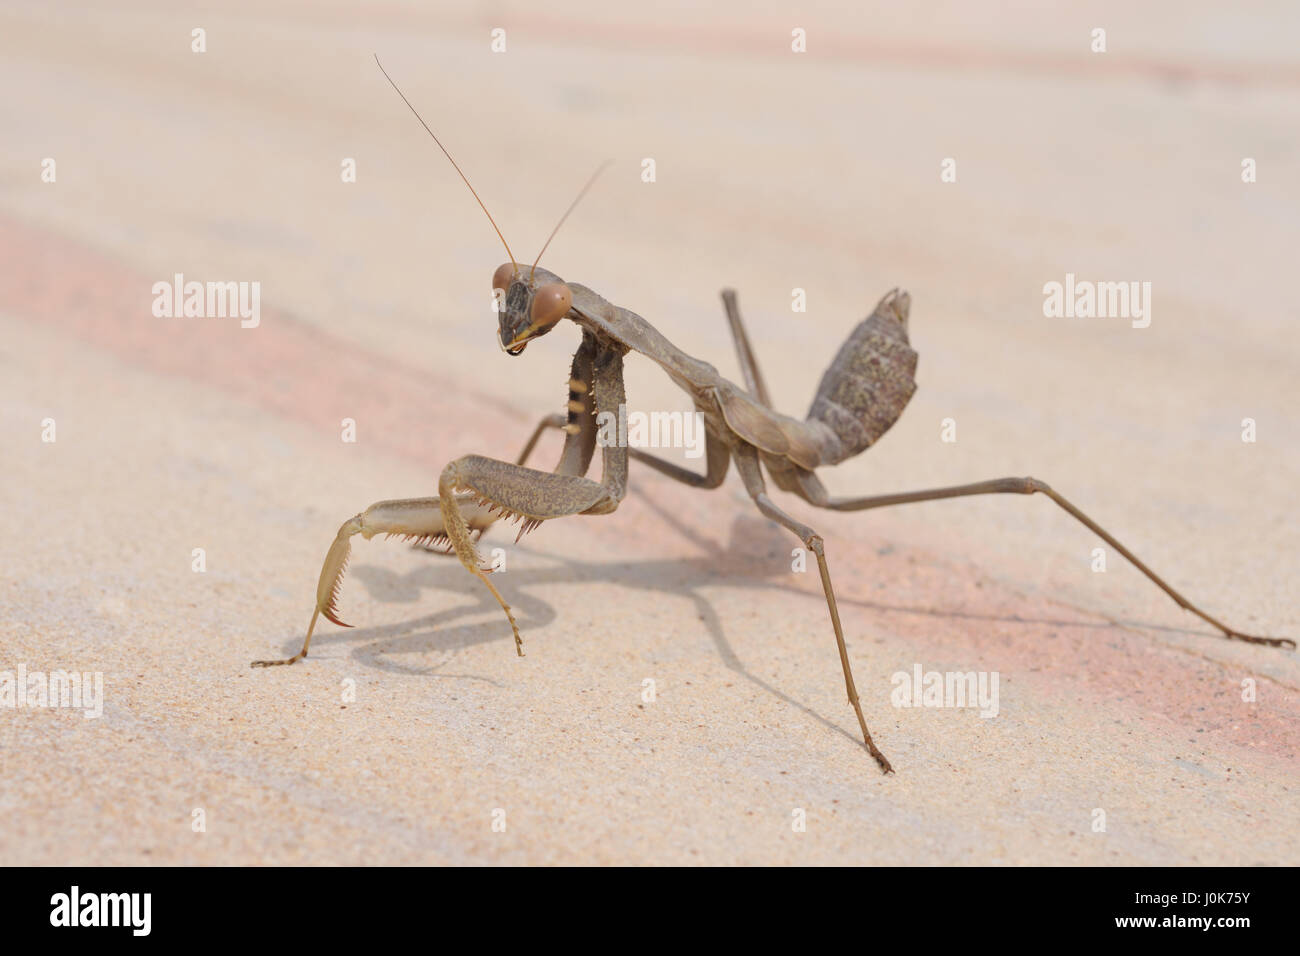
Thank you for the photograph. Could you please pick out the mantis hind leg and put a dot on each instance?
(748, 466)
(813, 491)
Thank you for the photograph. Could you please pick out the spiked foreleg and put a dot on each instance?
(530, 496)
(414, 519)
(511, 491)
(577, 421)
(440, 544)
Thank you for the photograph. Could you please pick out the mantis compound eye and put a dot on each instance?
(501, 278)
(550, 303)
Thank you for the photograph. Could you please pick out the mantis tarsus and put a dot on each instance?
(861, 395)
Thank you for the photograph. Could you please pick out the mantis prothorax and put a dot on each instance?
(861, 395)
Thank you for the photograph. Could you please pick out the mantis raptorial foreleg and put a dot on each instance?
(577, 422)
(526, 494)
(418, 519)
(492, 488)
(718, 456)
(717, 460)
(533, 496)
(557, 420)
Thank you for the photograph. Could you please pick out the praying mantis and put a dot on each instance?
(861, 395)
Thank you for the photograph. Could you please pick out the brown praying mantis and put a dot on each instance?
(862, 394)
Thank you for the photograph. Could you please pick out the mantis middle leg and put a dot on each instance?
(748, 361)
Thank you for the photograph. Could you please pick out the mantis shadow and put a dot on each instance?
(728, 565)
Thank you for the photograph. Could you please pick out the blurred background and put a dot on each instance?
(774, 171)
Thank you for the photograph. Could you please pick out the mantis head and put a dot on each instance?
(529, 307)
(527, 310)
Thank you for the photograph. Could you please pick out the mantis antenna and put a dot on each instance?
(458, 169)
(590, 182)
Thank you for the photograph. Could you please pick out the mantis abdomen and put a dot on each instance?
(870, 382)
